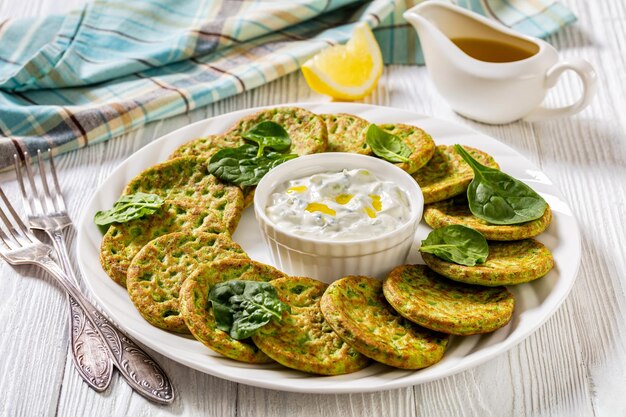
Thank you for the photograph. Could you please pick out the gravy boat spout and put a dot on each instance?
(485, 90)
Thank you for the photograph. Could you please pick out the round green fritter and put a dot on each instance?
(447, 174)
(157, 272)
(188, 178)
(303, 340)
(124, 240)
(437, 303)
(346, 133)
(508, 263)
(456, 211)
(198, 315)
(208, 146)
(356, 309)
(421, 145)
(205, 147)
(306, 130)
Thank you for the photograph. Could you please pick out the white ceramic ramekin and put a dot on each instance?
(330, 260)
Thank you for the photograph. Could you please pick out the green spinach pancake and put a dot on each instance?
(508, 263)
(303, 340)
(123, 241)
(188, 178)
(157, 272)
(356, 309)
(447, 174)
(208, 146)
(456, 211)
(306, 130)
(346, 133)
(205, 147)
(419, 142)
(437, 303)
(198, 315)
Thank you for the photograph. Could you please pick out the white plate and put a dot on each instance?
(535, 302)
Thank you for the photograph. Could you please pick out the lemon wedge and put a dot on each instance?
(346, 72)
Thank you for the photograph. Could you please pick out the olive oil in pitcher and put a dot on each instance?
(490, 50)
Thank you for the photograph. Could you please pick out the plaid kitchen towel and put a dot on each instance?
(71, 80)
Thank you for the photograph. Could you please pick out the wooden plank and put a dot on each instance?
(33, 341)
(585, 155)
(254, 402)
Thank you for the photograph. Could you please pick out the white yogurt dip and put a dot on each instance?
(347, 205)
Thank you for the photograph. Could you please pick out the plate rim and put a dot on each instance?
(476, 359)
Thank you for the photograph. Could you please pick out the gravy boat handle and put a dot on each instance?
(589, 80)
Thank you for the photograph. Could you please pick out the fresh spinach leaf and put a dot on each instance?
(242, 307)
(459, 244)
(225, 163)
(129, 207)
(268, 135)
(242, 166)
(498, 198)
(387, 146)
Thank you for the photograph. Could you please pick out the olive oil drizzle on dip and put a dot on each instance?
(347, 205)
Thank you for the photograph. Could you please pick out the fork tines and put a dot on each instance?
(39, 202)
(13, 232)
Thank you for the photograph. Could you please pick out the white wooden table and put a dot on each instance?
(574, 365)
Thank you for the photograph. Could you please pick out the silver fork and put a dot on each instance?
(20, 247)
(49, 214)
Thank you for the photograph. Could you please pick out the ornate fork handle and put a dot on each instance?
(138, 368)
(89, 352)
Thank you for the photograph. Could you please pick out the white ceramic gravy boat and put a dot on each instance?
(486, 91)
